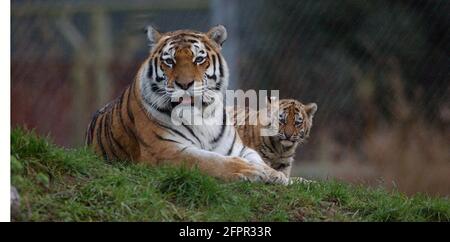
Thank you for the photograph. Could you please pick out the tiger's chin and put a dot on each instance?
(287, 143)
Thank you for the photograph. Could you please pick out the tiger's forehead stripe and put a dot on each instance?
(177, 39)
(292, 108)
(292, 111)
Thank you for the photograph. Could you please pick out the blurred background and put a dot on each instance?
(379, 71)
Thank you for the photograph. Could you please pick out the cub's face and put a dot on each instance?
(295, 121)
(185, 66)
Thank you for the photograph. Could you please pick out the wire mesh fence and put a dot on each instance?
(378, 70)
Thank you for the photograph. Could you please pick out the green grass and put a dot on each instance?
(57, 184)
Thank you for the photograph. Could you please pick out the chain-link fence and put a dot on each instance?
(378, 70)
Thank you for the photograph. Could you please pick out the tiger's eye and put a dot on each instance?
(282, 118)
(199, 59)
(169, 62)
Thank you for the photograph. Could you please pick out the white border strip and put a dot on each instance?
(5, 106)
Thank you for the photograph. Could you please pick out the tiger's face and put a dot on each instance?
(295, 121)
(185, 67)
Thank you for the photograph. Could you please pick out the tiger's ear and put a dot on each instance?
(311, 109)
(152, 35)
(218, 34)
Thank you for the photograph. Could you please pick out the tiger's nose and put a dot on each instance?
(185, 85)
(288, 136)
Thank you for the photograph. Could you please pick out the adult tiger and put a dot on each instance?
(182, 66)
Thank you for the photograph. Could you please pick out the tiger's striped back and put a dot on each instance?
(111, 131)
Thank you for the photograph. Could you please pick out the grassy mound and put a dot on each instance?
(57, 184)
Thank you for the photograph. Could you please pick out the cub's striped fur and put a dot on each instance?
(183, 66)
(295, 122)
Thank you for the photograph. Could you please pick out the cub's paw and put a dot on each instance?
(297, 180)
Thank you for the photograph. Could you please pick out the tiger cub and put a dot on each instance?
(185, 73)
(295, 121)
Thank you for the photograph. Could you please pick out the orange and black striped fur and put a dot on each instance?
(294, 125)
(183, 66)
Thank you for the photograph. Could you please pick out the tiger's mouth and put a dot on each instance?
(193, 101)
(287, 143)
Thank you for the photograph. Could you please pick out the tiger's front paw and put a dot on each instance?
(241, 169)
(271, 176)
(277, 177)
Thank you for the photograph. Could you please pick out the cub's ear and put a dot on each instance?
(218, 34)
(153, 35)
(311, 109)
